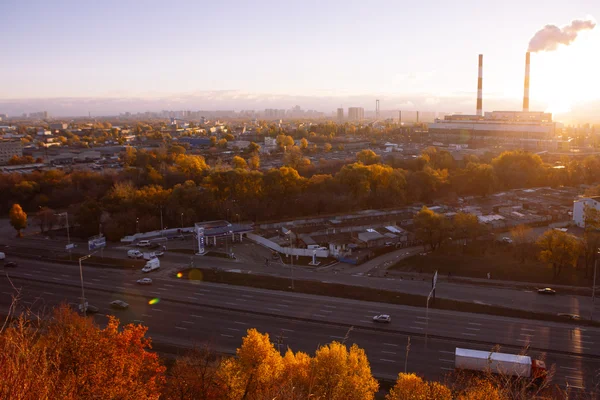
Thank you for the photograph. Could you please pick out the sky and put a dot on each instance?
(230, 54)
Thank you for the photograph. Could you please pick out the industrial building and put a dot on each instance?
(528, 129)
(9, 149)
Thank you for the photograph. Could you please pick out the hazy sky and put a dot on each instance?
(306, 48)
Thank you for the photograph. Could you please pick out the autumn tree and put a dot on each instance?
(522, 236)
(239, 163)
(73, 358)
(466, 226)
(411, 387)
(559, 249)
(431, 228)
(367, 157)
(303, 144)
(18, 219)
(327, 147)
(254, 162)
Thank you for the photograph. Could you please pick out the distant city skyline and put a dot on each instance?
(71, 57)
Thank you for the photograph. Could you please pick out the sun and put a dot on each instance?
(568, 75)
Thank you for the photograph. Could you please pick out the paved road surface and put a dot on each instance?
(175, 322)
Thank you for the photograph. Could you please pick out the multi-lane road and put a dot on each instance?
(190, 312)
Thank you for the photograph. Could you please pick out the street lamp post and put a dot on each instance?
(182, 221)
(137, 225)
(83, 307)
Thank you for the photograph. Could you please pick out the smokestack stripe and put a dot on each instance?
(526, 89)
(480, 87)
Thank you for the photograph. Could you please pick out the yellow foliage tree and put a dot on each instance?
(411, 387)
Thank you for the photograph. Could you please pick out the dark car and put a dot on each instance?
(11, 264)
(546, 291)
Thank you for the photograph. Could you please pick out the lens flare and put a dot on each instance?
(179, 275)
(155, 300)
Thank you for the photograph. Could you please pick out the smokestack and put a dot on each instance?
(526, 91)
(400, 117)
(480, 87)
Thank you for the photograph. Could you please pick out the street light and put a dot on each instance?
(137, 225)
(181, 220)
(83, 307)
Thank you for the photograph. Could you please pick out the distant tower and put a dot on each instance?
(417, 117)
(340, 114)
(526, 89)
(480, 87)
(377, 109)
(400, 117)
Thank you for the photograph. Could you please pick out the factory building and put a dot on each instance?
(528, 129)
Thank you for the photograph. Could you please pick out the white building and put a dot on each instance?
(579, 208)
(9, 149)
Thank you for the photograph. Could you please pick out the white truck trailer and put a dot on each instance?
(499, 363)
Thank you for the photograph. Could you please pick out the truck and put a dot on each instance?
(500, 363)
(151, 265)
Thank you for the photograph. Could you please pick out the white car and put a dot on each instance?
(143, 243)
(120, 304)
(134, 254)
(382, 318)
(144, 281)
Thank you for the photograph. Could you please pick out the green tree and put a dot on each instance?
(18, 219)
(559, 249)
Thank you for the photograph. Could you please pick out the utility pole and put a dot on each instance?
(83, 302)
(406, 358)
(161, 223)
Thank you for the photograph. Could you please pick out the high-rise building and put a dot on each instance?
(356, 113)
(340, 114)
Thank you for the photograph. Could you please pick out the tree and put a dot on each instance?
(303, 144)
(72, 358)
(254, 162)
(367, 157)
(253, 148)
(431, 227)
(284, 141)
(18, 219)
(239, 163)
(522, 236)
(46, 218)
(411, 387)
(559, 249)
(466, 226)
(327, 147)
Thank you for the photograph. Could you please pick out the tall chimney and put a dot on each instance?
(480, 87)
(526, 91)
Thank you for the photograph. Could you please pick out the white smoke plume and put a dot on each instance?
(549, 37)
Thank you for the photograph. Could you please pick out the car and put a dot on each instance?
(506, 240)
(546, 291)
(11, 264)
(382, 318)
(574, 317)
(134, 254)
(119, 304)
(144, 281)
(143, 243)
(2, 256)
(159, 253)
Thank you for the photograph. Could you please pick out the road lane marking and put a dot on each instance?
(386, 360)
(366, 322)
(27, 274)
(326, 311)
(168, 285)
(319, 315)
(474, 323)
(328, 306)
(64, 275)
(56, 279)
(156, 309)
(392, 344)
(233, 329)
(146, 315)
(469, 334)
(205, 290)
(571, 368)
(421, 322)
(240, 323)
(416, 327)
(423, 317)
(95, 280)
(120, 287)
(162, 288)
(186, 322)
(528, 329)
(287, 330)
(447, 369)
(181, 327)
(192, 298)
(387, 352)
(224, 335)
(337, 337)
(374, 312)
(273, 309)
(231, 304)
(447, 352)
(577, 378)
(284, 300)
(473, 329)
(195, 316)
(247, 296)
(444, 360)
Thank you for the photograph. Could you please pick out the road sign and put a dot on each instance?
(200, 239)
(96, 242)
(69, 246)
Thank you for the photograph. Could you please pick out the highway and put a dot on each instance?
(525, 299)
(193, 312)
